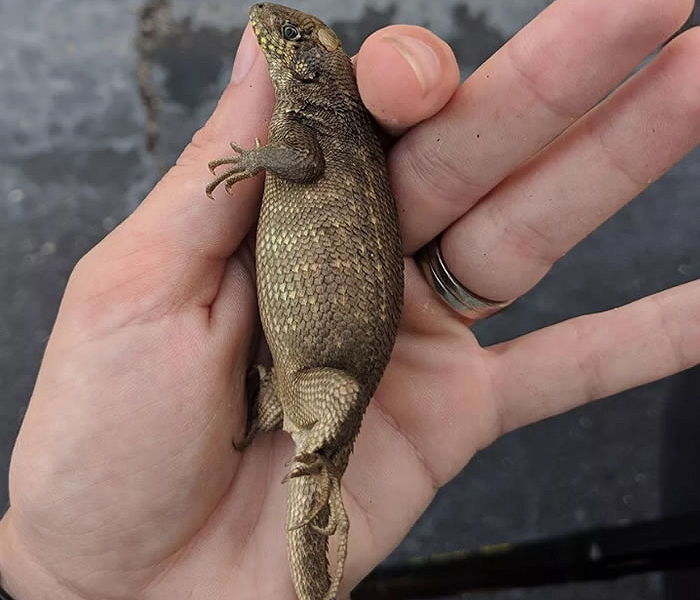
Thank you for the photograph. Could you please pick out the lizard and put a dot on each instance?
(329, 275)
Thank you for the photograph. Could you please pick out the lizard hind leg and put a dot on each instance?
(324, 414)
(265, 409)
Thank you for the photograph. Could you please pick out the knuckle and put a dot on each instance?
(438, 171)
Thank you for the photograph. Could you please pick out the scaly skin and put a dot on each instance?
(329, 275)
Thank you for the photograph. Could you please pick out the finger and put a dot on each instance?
(505, 245)
(215, 229)
(526, 94)
(558, 368)
(410, 59)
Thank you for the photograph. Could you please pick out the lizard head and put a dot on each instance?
(297, 45)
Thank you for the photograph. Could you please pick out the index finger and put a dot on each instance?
(551, 73)
(405, 75)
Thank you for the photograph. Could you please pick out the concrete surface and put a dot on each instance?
(73, 164)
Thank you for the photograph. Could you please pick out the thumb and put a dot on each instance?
(178, 239)
(242, 114)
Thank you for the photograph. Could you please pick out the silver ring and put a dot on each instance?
(446, 285)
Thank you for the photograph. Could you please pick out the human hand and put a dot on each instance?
(124, 483)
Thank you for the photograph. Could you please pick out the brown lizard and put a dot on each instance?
(329, 275)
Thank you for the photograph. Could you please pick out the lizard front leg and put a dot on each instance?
(296, 156)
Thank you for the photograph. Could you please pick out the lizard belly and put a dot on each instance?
(329, 282)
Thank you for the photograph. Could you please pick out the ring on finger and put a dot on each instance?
(448, 287)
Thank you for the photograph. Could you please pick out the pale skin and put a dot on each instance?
(124, 482)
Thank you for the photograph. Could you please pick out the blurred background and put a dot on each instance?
(98, 97)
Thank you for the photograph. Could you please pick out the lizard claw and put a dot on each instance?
(239, 168)
(330, 497)
(296, 472)
(248, 439)
(313, 463)
(229, 160)
(303, 470)
(231, 177)
(234, 179)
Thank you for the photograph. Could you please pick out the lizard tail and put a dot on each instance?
(308, 544)
(340, 519)
(307, 547)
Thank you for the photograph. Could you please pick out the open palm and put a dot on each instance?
(124, 482)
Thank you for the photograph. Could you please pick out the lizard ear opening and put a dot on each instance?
(328, 39)
(306, 65)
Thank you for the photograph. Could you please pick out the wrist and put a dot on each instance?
(22, 577)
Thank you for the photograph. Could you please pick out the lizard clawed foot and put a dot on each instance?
(301, 471)
(232, 160)
(264, 408)
(240, 168)
(311, 464)
(328, 482)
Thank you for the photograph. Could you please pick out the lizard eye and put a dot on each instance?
(290, 32)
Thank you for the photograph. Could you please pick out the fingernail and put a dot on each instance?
(421, 58)
(245, 56)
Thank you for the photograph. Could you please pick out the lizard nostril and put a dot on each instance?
(257, 8)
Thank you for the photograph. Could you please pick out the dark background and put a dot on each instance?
(73, 163)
